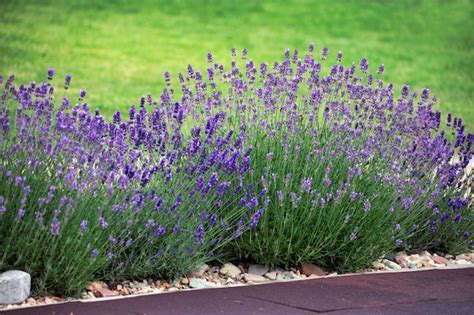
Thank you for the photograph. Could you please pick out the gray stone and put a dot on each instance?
(200, 271)
(14, 286)
(391, 265)
(200, 284)
(250, 277)
(272, 275)
(287, 275)
(258, 269)
(230, 270)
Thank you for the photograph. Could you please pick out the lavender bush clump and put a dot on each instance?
(82, 198)
(352, 170)
(277, 163)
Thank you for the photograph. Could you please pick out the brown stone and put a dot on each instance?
(399, 259)
(94, 286)
(102, 292)
(310, 269)
(440, 260)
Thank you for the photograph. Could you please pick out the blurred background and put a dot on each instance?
(118, 50)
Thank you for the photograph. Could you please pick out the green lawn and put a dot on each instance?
(118, 50)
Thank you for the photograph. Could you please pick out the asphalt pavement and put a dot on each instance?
(440, 291)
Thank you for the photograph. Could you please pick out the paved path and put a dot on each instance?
(449, 291)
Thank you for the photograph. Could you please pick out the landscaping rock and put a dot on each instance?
(462, 257)
(390, 256)
(271, 275)
(230, 270)
(287, 275)
(93, 286)
(428, 264)
(310, 269)
(440, 260)
(14, 286)
(201, 270)
(103, 292)
(400, 259)
(391, 264)
(200, 284)
(258, 269)
(425, 253)
(379, 266)
(462, 262)
(250, 277)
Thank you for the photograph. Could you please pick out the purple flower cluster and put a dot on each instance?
(147, 174)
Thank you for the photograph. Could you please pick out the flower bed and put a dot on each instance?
(276, 164)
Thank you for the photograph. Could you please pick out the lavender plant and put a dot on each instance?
(327, 166)
(352, 171)
(84, 199)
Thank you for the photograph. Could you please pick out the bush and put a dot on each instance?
(277, 165)
(352, 171)
(83, 199)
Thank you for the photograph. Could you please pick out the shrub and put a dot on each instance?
(84, 199)
(352, 171)
(327, 166)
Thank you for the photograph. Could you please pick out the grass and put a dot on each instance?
(118, 50)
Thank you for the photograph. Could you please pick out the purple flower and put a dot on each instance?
(67, 81)
(367, 205)
(306, 184)
(176, 229)
(103, 223)
(353, 236)
(252, 203)
(50, 73)
(83, 226)
(112, 240)
(381, 69)
(82, 94)
(364, 65)
(324, 53)
(95, 252)
(21, 213)
(150, 223)
(407, 202)
(213, 180)
(200, 234)
(255, 218)
(160, 230)
(280, 196)
(222, 188)
(55, 225)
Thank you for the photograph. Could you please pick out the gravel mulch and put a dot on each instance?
(244, 274)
